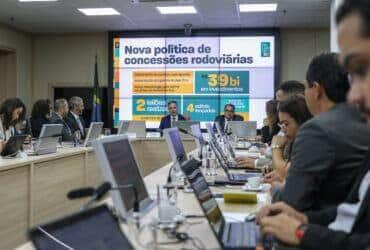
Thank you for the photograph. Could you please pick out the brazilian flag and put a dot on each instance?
(96, 112)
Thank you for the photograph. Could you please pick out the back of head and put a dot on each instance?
(272, 110)
(296, 107)
(292, 87)
(40, 109)
(326, 70)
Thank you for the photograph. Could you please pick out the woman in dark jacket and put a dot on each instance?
(40, 116)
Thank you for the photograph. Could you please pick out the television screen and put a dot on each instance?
(200, 73)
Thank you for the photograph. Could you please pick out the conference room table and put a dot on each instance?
(197, 228)
(33, 188)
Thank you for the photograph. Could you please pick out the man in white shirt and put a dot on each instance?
(346, 226)
(74, 118)
(166, 121)
(58, 117)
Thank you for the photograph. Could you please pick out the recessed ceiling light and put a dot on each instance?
(99, 11)
(177, 10)
(263, 7)
(38, 0)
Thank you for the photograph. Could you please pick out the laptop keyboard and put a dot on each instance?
(239, 177)
(240, 234)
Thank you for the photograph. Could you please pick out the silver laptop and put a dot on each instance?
(175, 146)
(132, 127)
(243, 129)
(118, 164)
(93, 133)
(48, 140)
(195, 130)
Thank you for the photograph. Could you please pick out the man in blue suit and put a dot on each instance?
(166, 121)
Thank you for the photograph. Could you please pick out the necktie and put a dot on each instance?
(80, 125)
(173, 119)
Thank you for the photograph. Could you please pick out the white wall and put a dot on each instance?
(69, 60)
(22, 43)
(298, 46)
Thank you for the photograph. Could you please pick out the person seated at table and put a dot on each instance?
(271, 123)
(12, 111)
(74, 117)
(40, 115)
(292, 114)
(166, 121)
(229, 115)
(58, 117)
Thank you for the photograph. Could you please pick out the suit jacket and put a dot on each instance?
(66, 132)
(221, 120)
(318, 236)
(326, 158)
(72, 123)
(36, 125)
(166, 121)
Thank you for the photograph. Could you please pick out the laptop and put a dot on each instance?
(175, 146)
(13, 145)
(186, 125)
(195, 130)
(93, 133)
(243, 129)
(118, 164)
(48, 140)
(132, 127)
(230, 235)
(95, 228)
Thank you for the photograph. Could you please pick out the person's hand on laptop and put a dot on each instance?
(280, 208)
(245, 162)
(281, 226)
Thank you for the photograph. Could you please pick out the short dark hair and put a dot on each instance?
(296, 107)
(326, 70)
(40, 109)
(292, 87)
(171, 102)
(6, 111)
(230, 105)
(361, 7)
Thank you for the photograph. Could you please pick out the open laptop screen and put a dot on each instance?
(204, 195)
(125, 171)
(174, 142)
(92, 229)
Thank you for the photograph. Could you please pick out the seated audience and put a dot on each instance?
(293, 113)
(327, 153)
(286, 90)
(271, 123)
(229, 115)
(40, 115)
(58, 117)
(166, 121)
(74, 118)
(12, 111)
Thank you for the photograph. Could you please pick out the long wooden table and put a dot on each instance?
(33, 189)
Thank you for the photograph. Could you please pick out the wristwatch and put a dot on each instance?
(275, 146)
(301, 230)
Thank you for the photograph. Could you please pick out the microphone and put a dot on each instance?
(201, 140)
(81, 193)
(99, 193)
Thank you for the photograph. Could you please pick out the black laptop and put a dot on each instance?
(93, 229)
(231, 235)
(13, 145)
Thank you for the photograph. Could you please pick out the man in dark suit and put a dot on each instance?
(328, 150)
(166, 121)
(57, 117)
(346, 226)
(74, 118)
(229, 115)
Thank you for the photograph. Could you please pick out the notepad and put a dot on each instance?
(248, 198)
